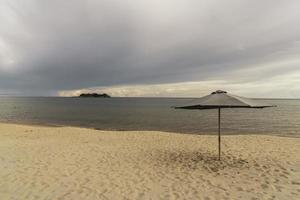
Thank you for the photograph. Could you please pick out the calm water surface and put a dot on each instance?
(151, 114)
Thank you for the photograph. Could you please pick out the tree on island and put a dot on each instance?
(104, 95)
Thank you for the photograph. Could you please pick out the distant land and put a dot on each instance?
(95, 95)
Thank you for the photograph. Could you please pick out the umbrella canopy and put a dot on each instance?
(221, 99)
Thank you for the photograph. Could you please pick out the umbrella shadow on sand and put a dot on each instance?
(193, 160)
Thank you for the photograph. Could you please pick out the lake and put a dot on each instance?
(151, 114)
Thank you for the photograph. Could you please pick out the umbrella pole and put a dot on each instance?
(219, 138)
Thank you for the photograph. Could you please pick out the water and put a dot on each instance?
(151, 114)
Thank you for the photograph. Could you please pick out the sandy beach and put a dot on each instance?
(77, 163)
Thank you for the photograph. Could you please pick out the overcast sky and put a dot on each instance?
(150, 47)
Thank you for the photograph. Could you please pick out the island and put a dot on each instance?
(95, 95)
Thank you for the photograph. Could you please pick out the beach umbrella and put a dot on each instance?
(221, 99)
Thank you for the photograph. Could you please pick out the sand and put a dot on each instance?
(76, 163)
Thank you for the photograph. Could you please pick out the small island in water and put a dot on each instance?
(95, 95)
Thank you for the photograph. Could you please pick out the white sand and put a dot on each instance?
(75, 163)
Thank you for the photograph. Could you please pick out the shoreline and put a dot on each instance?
(48, 125)
(79, 163)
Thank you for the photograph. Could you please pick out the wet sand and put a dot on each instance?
(77, 163)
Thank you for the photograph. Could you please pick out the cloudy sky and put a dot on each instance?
(150, 47)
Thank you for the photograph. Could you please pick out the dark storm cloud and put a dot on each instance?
(47, 46)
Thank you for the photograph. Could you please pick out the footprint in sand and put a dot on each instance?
(295, 183)
(264, 186)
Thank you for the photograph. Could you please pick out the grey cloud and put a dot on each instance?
(64, 45)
